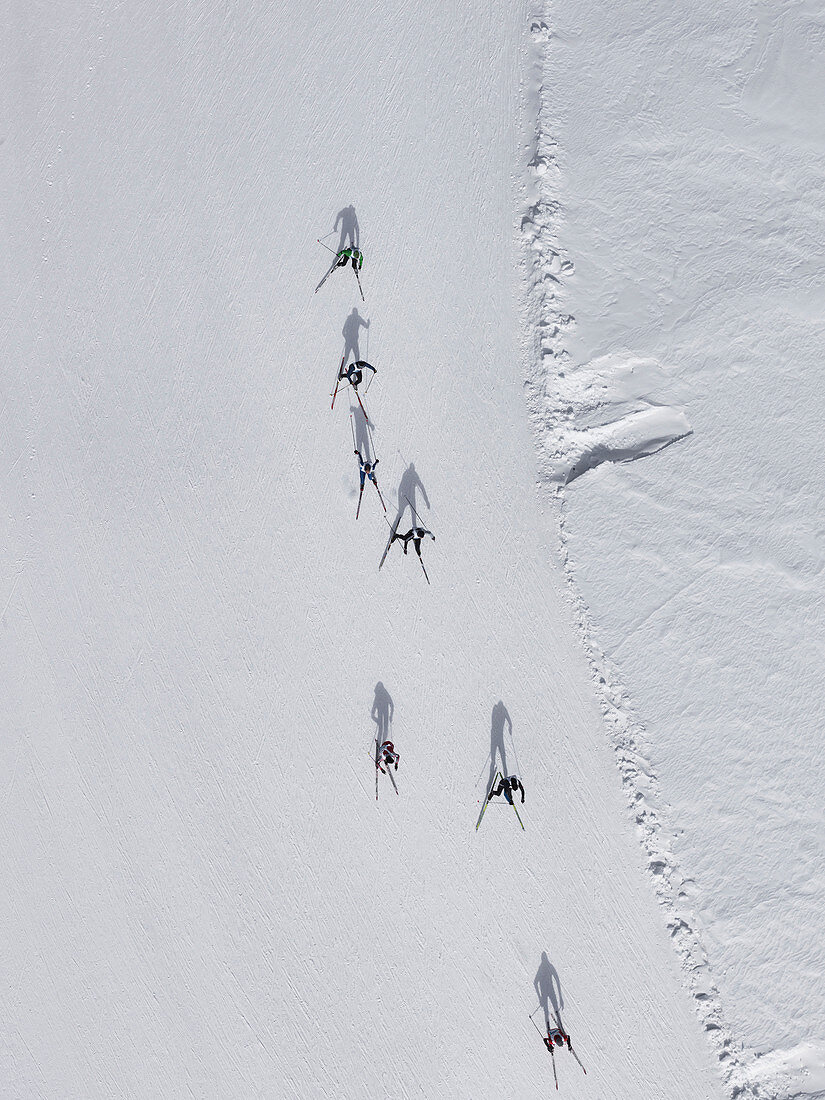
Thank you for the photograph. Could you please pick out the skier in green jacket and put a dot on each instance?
(350, 254)
(353, 254)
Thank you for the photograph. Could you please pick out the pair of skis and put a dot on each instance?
(550, 1048)
(336, 264)
(371, 475)
(509, 798)
(393, 530)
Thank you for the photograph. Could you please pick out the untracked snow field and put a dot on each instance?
(679, 171)
(201, 894)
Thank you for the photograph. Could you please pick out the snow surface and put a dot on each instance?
(679, 169)
(202, 896)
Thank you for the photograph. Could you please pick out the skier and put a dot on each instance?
(342, 258)
(354, 373)
(387, 755)
(367, 469)
(557, 1036)
(416, 534)
(351, 253)
(507, 786)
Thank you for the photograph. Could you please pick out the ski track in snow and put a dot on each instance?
(614, 409)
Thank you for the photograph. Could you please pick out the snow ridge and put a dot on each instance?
(602, 411)
(584, 415)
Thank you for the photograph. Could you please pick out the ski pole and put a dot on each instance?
(550, 1048)
(413, 509)
(481, 815)
(361, 403)
(369, 430)
(515, 753)
(481, 775)
(318, 287)
(570, 1048)
(338, 381)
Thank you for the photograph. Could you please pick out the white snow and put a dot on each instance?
(201, 895)
(689, 195)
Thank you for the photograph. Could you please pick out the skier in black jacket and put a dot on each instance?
(416, 534)
(354, 373)
(507, 786)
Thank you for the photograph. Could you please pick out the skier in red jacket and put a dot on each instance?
(387, 755)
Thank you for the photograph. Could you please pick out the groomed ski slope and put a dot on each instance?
(202, 897)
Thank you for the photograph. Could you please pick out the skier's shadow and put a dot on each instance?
(548, 990)
(382, 711)
(351, 331)
(363, 439)
(408, 487)
(499, 720)
(350, 233)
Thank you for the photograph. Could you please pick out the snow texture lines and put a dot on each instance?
(586, 414)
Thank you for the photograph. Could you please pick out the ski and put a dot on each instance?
(518, 815)
(383, 505)
(392, 777)
(318, 287)
(363, 299)
(421, 563)
(570, 1048)
(481, 815)
(549, 1047)
(393, 528)
(358, 509)
(337, 382)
